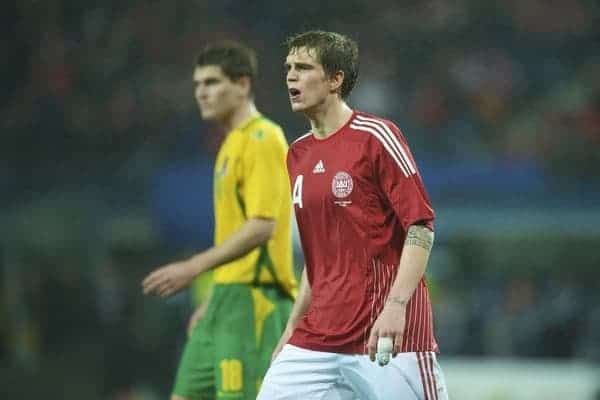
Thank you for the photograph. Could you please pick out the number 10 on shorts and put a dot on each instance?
(231, 375)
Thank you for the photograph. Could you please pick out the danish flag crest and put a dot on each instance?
(342, 185)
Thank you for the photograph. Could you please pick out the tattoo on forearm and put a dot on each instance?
(396, 300)
(419, 235)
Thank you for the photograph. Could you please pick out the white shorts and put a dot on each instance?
(301, 374)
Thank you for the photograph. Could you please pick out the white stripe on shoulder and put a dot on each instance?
(384, 137)
(302, 137)
(394, 140)
(386, 145)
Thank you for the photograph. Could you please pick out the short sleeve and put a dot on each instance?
(400, 180)
(265, 181)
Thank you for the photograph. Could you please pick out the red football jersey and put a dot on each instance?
(355, 194)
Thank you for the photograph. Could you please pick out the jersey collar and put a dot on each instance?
(246, 123)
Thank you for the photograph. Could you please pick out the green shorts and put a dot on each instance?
(230, 349)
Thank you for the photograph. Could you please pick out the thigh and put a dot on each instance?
(414, 376)
(271, 312)
(195, 374)
(219, 360)
(428, 374)
(300, 374)
(235, 356)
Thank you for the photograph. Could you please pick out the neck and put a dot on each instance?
(327, 120)
(239, 116)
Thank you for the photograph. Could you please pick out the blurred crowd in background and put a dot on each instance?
(105, 170)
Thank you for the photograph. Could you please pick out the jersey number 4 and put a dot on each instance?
(297, 193)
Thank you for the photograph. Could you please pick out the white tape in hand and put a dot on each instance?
(385, 346)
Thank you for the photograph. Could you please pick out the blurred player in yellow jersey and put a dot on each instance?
(232, 337)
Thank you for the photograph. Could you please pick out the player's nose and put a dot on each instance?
(201, 95)
(291, 76)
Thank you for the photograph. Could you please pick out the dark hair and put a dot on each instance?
(235, 59)
(334, 51)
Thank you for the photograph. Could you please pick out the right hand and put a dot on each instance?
(196, 316)
(169, 279)
(282, 342)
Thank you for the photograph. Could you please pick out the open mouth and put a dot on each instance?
(294, 93)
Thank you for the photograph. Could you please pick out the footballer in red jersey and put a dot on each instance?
(366, 228)
(349, 191)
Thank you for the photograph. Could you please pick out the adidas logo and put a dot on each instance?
(319, 168)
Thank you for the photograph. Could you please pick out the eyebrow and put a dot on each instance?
(298, 64)
(208, 79)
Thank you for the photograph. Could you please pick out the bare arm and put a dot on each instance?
(298, 311)
(415, 254)
(254, 233)
(171, 278)
(413, 262)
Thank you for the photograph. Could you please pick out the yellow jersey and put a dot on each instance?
(251, 180)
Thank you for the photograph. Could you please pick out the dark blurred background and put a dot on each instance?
(105, 173)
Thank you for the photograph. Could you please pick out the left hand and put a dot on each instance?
(390, 323)
(168, 279)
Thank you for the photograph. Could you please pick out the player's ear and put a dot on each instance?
(336, 80)
(245, 84)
